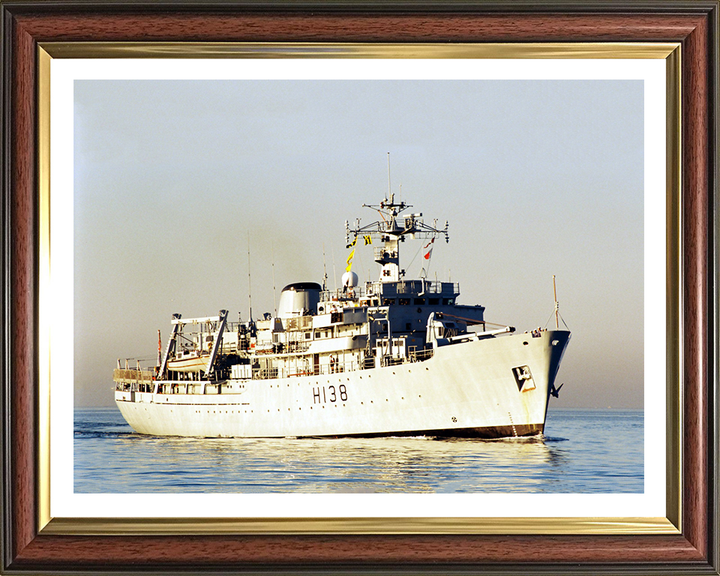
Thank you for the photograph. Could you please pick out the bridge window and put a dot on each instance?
(419, 301)
(449, 301)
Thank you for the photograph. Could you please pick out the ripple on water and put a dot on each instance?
(586, 452)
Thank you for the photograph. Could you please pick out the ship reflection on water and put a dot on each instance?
(590, 451)
(423, 465)
(377, 465)
(346, 465)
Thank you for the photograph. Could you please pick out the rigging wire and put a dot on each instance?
(413, 258)
(559, 316)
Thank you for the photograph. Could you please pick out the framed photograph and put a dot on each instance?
(575, 139)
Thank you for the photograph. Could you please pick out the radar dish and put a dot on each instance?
(350, 279)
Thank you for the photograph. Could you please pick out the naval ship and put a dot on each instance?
(395, 357)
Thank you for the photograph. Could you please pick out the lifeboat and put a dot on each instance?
(190, 362)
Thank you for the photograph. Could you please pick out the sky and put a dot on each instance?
(176, 181)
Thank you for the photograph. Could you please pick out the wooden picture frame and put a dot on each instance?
(29, 547)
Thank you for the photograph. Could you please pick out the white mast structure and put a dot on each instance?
(392, 229)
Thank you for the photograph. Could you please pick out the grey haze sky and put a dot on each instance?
(535, 178)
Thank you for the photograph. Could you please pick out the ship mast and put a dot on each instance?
(391, 230)
(557, 305)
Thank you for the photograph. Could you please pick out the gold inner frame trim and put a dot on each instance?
(537, 525)
(43, 159)
(268, 526)
(673, 312)
(565, 50)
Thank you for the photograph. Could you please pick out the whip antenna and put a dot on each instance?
(272, 250)
(249, 280)
(324, 270)
(557, 305)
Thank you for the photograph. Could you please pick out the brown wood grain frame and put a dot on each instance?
(26, 24)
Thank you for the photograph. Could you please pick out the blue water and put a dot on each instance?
(584, 451)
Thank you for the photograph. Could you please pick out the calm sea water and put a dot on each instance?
(585, 451)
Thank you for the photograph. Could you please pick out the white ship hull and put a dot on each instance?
(469, 389)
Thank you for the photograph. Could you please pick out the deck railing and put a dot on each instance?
(131, 380)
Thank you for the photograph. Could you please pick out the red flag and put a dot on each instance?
(429, 252)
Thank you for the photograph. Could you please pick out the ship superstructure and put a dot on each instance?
(396, 356)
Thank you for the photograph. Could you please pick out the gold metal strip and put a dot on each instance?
(674, 320)
(567, 50)
(179, 526)
(43, 159)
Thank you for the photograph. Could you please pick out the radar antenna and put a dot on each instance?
(392, 229)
